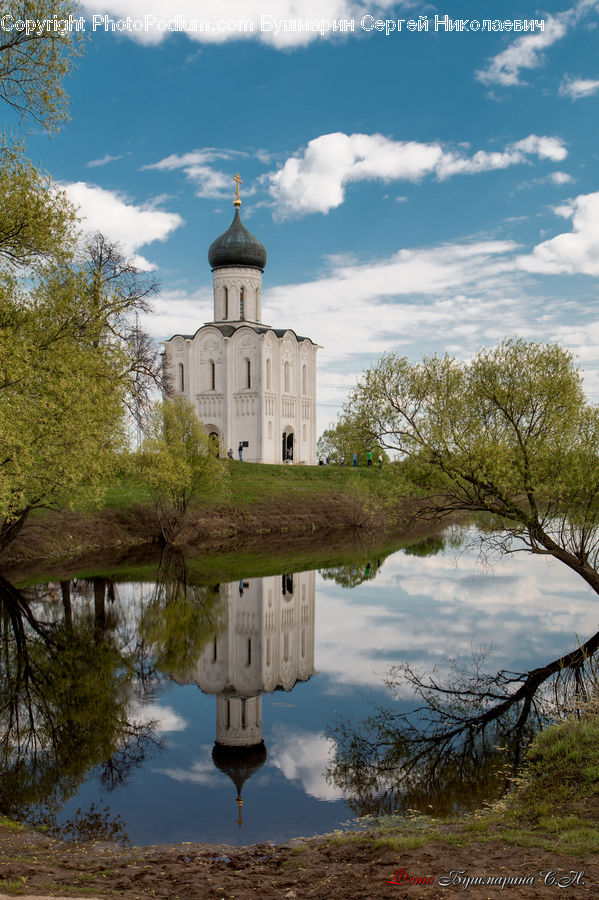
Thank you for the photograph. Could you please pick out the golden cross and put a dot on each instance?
(238, 181)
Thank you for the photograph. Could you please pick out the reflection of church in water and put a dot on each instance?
(266, 643)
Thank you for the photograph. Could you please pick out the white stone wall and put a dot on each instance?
(215, 380)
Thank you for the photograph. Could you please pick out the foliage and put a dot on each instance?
(32, 66)
(37, 223)
(509, 433)
(180, 618)
(350, 575)
(346, 437)
(60, 399)
(72, 354)
(178, 463)
(70, 363)
(65, 690)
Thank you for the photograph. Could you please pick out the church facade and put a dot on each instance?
(253, 386)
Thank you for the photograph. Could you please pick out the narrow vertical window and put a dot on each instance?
(242, 303)
(212, 376)
(181, 377)
(304, 379)
(226, 303)
(248, 373)
(249, 662)
(286, 376)
(268, 374)
(243, 717)
(214, 646)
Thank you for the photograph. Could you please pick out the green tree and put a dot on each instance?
(509, 433)
(37, 223)
(346, 437)
(69, 367)
(180, 618)
(178, 463)
(66, 685)
(33, 66)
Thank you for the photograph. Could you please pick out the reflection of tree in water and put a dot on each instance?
(429, 546)
(69, 671)
(367, 567)
(352, 574)
(65, 690)
(461, 744)
(180, 617)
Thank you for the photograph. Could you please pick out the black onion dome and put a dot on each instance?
(237, 247)
(239, 763)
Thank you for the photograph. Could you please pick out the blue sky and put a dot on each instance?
(420, 191)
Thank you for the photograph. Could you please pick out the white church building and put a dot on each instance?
(253, 386)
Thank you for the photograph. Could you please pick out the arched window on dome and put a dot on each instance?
(181, 377)
(242, 303)
(226, 303)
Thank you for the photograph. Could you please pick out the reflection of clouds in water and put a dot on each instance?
(164, 717)
(303, 756)
(202, 771)
(426, 609)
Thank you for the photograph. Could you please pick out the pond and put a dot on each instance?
(179, 710)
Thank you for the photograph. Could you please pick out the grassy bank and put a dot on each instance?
(259, 501)
(257, 483)
(553, 806)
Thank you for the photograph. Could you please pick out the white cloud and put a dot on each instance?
(560, 178)
(196, 165)
(304, 757)
(544, 147)
(524, 53)
(574, 252)
(575, 88)
(129, 225)
(203, 771)
(164, 718)
(103, 161)
(258, 19)
(182, 311)
(315, 180)
(419, 606)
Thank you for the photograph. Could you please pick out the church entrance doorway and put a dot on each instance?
(214, 436)
(287, 448)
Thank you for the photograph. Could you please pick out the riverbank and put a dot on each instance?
(540, 842)
(278, 504)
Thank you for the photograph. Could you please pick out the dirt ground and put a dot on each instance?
(32, 864)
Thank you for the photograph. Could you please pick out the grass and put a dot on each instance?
(251, 483)
(10, 824)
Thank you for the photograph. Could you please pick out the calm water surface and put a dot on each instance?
(274, 660)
